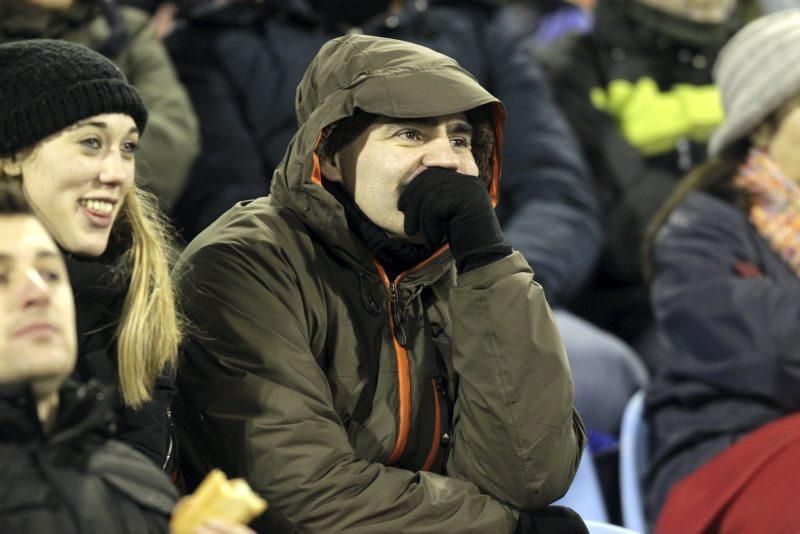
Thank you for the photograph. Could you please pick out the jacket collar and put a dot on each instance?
(84, 409)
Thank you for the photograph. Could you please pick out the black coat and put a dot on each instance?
(727, 308)
(242, 66)
(632, 185)
(75, 479)
(99, 289)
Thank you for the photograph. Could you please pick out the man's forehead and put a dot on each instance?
(22, 235)
(452, 119)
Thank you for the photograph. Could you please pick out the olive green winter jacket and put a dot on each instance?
(125, 35)
(297, 365)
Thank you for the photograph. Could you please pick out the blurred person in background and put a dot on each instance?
(60, 469)
(725, 252)
(125, 36)
(638, 92)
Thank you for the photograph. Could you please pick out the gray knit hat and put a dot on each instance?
(756, 72)
(48, 85)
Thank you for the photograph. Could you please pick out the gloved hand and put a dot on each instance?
(445, 206)
(549, 520)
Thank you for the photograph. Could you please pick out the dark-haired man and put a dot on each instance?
(370, 353)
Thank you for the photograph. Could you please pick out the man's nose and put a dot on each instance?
(440, 153)
(35, 290)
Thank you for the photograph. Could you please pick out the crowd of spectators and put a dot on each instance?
(292, 254)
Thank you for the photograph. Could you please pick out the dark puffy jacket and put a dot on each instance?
(242, 66)
(99, 292)
(75, 479)
(643, 106)
(727, 308)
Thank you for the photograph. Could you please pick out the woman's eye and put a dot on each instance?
(130, 147)
(91, 142)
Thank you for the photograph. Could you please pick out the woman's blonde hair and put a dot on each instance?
(150, 327)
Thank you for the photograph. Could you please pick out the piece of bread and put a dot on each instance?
(217, 498)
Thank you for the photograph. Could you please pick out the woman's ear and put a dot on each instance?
(10, 166)
(331, 169)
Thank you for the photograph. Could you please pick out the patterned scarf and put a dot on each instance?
(776, 205)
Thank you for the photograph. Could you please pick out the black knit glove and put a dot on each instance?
(551, 520)
(442, 205)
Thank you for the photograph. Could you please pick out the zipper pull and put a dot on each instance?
(397, 316)
(447, 438)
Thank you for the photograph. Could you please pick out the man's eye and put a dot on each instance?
(50, 275)
(460, 142)
(91, 142)
(410, 135)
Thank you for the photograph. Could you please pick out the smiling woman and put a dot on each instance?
(69, 128)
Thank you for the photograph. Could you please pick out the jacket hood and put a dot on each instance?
(381, 76)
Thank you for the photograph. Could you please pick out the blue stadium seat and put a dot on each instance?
(633, 463)
(596, 527)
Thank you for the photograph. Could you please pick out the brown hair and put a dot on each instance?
(713, 176)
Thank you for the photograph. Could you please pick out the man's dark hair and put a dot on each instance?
(12, 199)
(343, 132)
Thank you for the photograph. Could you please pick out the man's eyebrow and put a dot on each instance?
(47, 254)
(457, 126)
(460, 127)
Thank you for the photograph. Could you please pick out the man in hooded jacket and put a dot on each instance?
(368, 351)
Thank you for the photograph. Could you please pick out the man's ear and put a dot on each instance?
(10, 166)
(331, 169)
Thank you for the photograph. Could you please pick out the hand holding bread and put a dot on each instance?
(217, 498)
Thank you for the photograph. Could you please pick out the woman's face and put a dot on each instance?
(77, 179)
(784, 145)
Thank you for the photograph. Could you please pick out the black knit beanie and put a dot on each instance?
(47, 85)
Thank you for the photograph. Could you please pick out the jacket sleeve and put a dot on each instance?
(270, 415)
(516, 435)
(735, 333)
(171, 141)
(548, 208)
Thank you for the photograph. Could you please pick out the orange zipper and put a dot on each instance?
(401, 355)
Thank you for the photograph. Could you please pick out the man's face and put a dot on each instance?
(37, 323)
(382, 161)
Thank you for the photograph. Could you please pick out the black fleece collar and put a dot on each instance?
(395, 255)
